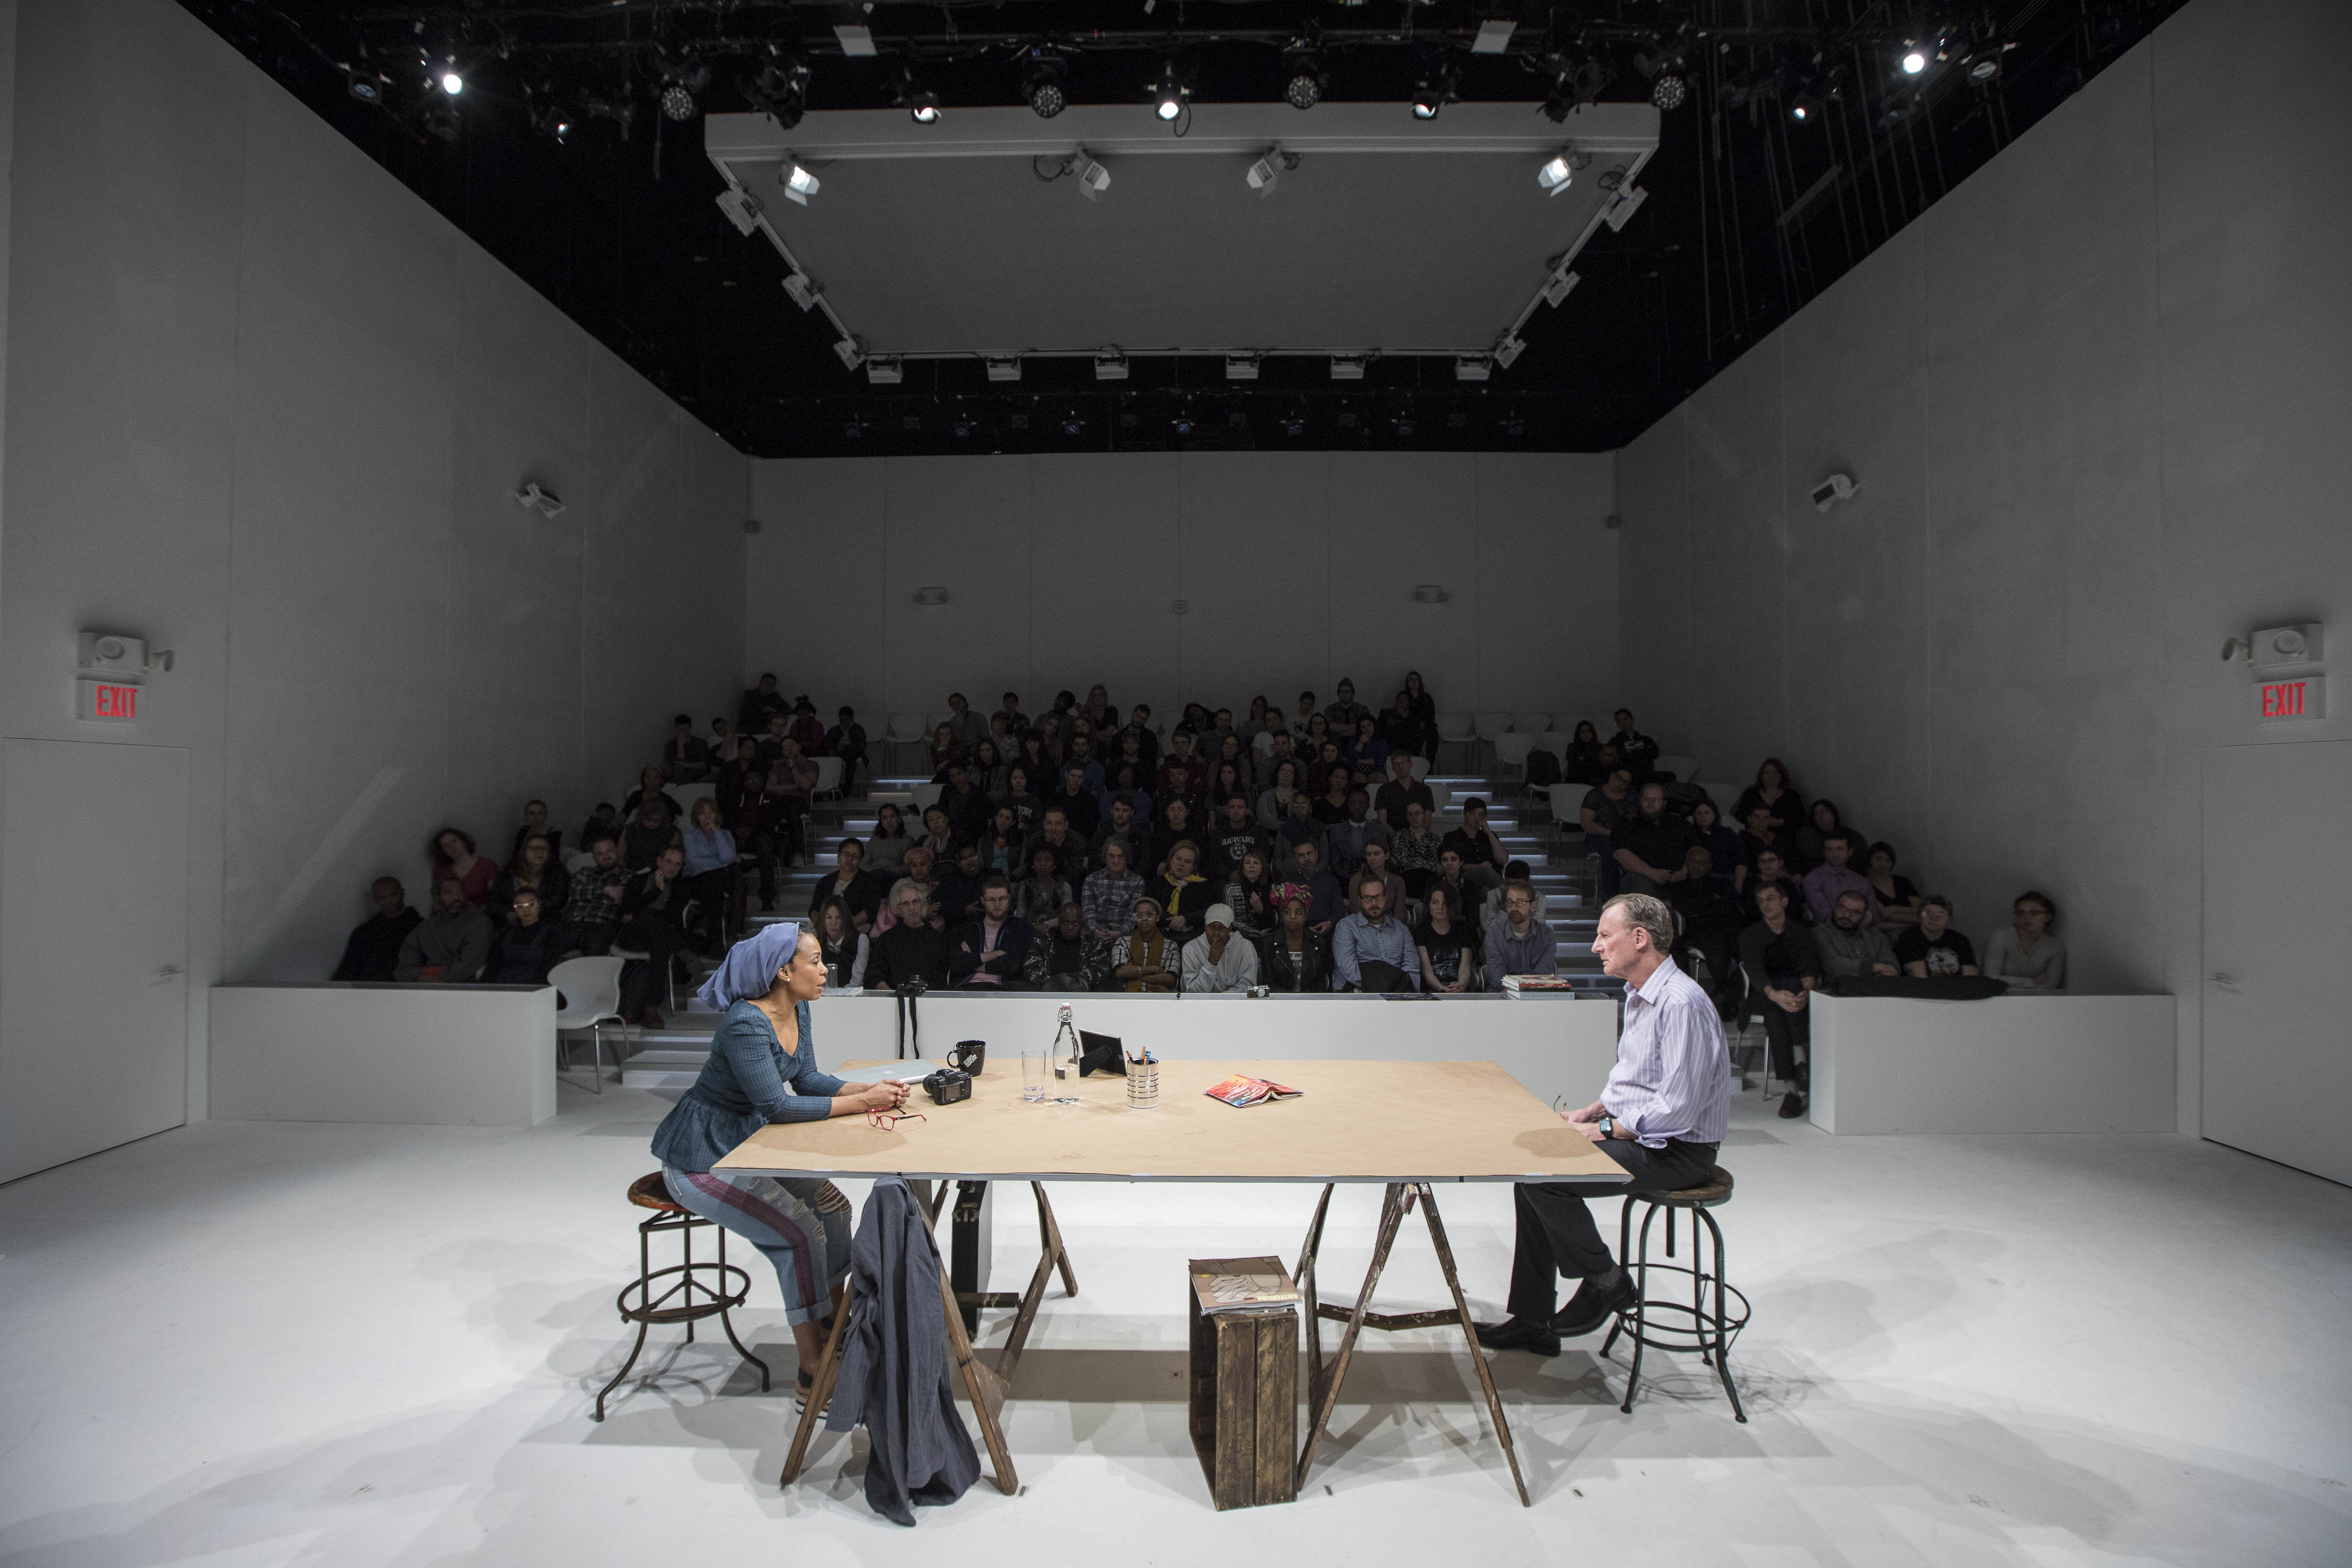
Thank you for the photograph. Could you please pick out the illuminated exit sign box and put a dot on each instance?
(107, 701)
(2303, 697)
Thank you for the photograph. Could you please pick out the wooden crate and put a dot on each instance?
(1244, 1394)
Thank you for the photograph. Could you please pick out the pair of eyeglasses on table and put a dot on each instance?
(887, 1120)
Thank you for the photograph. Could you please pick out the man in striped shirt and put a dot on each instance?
(1662, 1117)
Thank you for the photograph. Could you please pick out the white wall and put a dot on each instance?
(267, 410)
(2098, 399)
(1298, 568)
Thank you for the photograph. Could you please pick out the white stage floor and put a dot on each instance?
(248, 1344)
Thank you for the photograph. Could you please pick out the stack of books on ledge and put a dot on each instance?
(1514, 984)
(1225, 1285)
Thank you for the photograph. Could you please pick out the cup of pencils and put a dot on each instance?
(1144, 1082)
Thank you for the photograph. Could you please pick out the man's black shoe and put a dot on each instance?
(1792, 1105)
(1519, 1334)
(1592, 1306)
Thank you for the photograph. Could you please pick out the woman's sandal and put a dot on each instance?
(803, 1386)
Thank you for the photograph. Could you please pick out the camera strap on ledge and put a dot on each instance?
(909, 1023)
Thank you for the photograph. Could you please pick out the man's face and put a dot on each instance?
(1848, 911)
(1011, 702)
(996, 902)
(1474, 821)
(1056, 824)
(651, 812)
(956, 705)
(968, 860)
(448, 893)
(1697, 864)
(682, 729)
(1358, 804)
(1307, 858)
(1072, 921)
(956, 779)
(1449, 865)
(1836, 851)
(1416, 818)
(847, 857)
(747, 751)
(1346, 694)
(1770, 902)
(1620, 780)
(391, 898)
(1074, 781)
(1624, 717)
(1121, 814)
(1933, 920)
(672, 862)
(1618, 943)
(1760, 821)
(1179, 814)
(1519, 906)
(1283, 745)
(1217, 931)
(1114, 857)
(914, 910)
(1653, 802)
(534, 815)
(607, 853)
(1374, 898)
(776, 726)
(1400, 765)
(1767, 866)
(1237, 814)
(1141, 717)
(767, 684)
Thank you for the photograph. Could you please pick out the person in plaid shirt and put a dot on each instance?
(592, 913)
(1108, 898)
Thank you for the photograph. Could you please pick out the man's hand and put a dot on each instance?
(1884, 969)
(1591, 1129)
(1592, 1113)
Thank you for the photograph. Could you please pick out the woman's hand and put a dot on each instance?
(877, 1095)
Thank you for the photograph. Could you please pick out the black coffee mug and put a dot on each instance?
(968, 1055)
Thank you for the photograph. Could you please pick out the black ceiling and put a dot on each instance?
(1752, 210)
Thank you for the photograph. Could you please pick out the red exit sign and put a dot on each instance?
(107, 701)
(2305, 697)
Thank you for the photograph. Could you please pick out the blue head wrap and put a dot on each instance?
(749, 970)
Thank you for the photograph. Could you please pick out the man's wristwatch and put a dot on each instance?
(1607, 1125)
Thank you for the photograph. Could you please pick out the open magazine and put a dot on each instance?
(1242, 1285)
(1240, 1090)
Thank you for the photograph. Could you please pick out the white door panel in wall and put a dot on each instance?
(2278, 926)
(93, 948)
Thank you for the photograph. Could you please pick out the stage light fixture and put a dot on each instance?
(1555, 173)
(1628, 201)
(1111, 366)
(1241, 367)
(743, 209)
(1806, 109)
(1984, 69)
(1041, 84)
(856, 42)
(677, 103)
(1170, 93)
(1507, 349)
(780, 91)
(1472, 367)
(1308, 80)
(848, 350)
(1562, 284)
(801, 290)
(921, 104)
(884, 370)
(363, 84)
(1093, 178)
(1435, 89)
(1669, 92)
(1914, 62)
(799, 187)
(451, 82)
(1348, 367)
(682, 77)
(1007, 369)
(1270, 168)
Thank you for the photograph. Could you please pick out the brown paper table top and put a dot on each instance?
(1356, 1121)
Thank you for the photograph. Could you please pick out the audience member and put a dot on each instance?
(1424, 712)
(966, 807)
(532, 870)
(887, 846)
(1399, 729)
(1771, 791)
(1217, 959)
(1607, 806)
(1634, 750)
(1098, 710)
(1400, 790)
(1120, 825)
(594, 908)
(1449, 876)
(859, 893)
(987, 952)
(1108, 898)
(1028, 807)
(1782, 968)
(1302, 827)
(1932, 947)
(372, 949)
(1294, 957)
(1348, 838)
(1849, 945)
(1518, 944)
(1327, 782)
(722, 745)
(1182, 775)
(1897, 897)
(1835, 877)
(990, 769)
(1233, 838)
(1367, 755)
(1415, 848)
(1648, 847)
(652, 782)
(1002, 844)
(1481, 851)
(1371, 951)
(955, 898)
(2028, 953)
(452, 855)
(1016, 722)
(1711, 921)
(605, 818)
(844, 949)
(1345, 709)
(846, 740)
(761, 703)
(1274, 801)
(650, 831)
(1230, 783)
(1066, 956)
(1175, 827)
(1768, 870)
(1724, 854)
(967, 727)
(806, 729)
(684, 755)
(523, 947)
(1084, 756)
(1764, 833)
(912, 949)
(1068, 847)
(1582, 764)
(449, 945)
(784, 802)
(1079, 802)
(1147, 741)
(1042, 893)
(1446, 945)
(1140, 958)
(1180, 890)
(713, 869)
(1325, 902)
(1811, 842)
(1249, 893)
(1376, 863)
(654, 910)
(1490, 909)
(534, 822)
(944, 749)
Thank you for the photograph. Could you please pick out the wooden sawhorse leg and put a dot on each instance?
(1323, 1396)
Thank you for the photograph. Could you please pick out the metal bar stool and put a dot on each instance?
(1683, 1328)
(693, 1281)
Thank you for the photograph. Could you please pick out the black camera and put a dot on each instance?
(946, 1085)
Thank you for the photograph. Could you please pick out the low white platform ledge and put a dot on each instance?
(1552, 1044)
(461, 1056)
(2008, 1064)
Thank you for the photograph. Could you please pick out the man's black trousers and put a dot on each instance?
(1556, 1233)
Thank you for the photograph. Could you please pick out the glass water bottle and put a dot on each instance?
(1064, 1052)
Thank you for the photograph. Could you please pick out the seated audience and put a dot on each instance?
(685, 756)
(1140, 958)
(372, 949)
(1449, 876)
(452, 854)
(1042, 893)
(1249, 893)
(1811, 842)
(1607, 807)
(1849, 944)
(987, 952)
(593, 911)
(1347, 839)
(1783, 806)
(1231, 781)
(1932, 947)
(2028, 954)
(938, 835)
(1400, 790)
(1098, 709)
(1724, 854)
(1835, 877)
(761, 703)
(1274, 801)
(1582, 764)
(1234, 836)
(1147, 741)
(712, 865)
(1106, 901)
(605, 818)
(651, 830)
(843, 948)
(1491, 909)
(1424, 710)
(1119, 825)
(806, 729)
(1218, 960)
(652, 783)
(1175, 827)
(969, 728)
(1015, 721)
(1066, 956)
(946, 749)
(1367, 755)
(1303, 828)
(1447, 946)
(1180, 890)
(1327, 782)
(1711, 921)
(1345, 709)
(1028, 810)
(912, 949)
(1634, 750)
(1648, 847)
(1897, 897)
(654, 909)
(449, 945)
(1324, 902)
(534, 822)
(846, 740)
(1181, 775)
(1294, 956)
(1056, 836)
(955, 898)
(1764, 833)
(1079, 802)
(1518, 944)
(887, 846)
(1415, 848)
(771, 742)
(968, 806)
(1768, 870)
(532, 870)
(1373, 951)
(523, 947)
(989, 768)
(1376, 863)
(1400, 728)
(1782, 969)
(861, 894)
(784, 802)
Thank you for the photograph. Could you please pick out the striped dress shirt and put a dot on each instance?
(1673, 1077)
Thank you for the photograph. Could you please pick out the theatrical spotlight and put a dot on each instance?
(1041, 84)
(1435, 89)
(798, 182)
(781, 90)
(451, 82)
(921, 104)
(1915, 60)
(1270, 168)
(681, 80)
(364, 84)
(1308, 80)
(1556, 173)
(1669, 92)
(1171, 95)
(1806, 109)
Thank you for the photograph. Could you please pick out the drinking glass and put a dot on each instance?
(1033, 1077)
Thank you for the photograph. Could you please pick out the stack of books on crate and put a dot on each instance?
(1513, 985)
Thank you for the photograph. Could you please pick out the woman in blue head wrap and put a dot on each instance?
(765, 985)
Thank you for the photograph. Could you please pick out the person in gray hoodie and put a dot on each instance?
(449, 945)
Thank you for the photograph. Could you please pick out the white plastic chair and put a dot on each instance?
(589, 993)
(1420, 769)
(574, 859)
(924, 796)
(1488, 725)
(829, 778)
(1568, 808)
(1441, 795)
(1530, 723)
(1511, 749)
(1457, 729)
